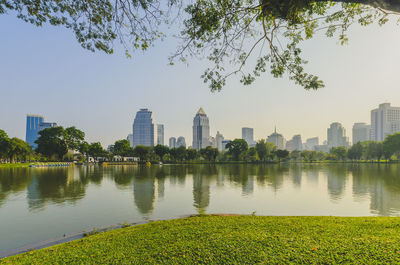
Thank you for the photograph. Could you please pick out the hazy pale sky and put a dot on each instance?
(45, 71)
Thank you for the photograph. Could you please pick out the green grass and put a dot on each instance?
(234, 240)
(11, 165)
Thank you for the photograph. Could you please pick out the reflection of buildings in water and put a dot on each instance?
(201, 191)
(384, 201)
(248, 186)
(361, 184)
(143, 194)
(336, 183)
(295, 173)
(220, 179)
(312, 175)
(160, 187)
(33, 195)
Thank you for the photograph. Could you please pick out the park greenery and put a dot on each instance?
(59, 144)
(233, 240)
(231, 34)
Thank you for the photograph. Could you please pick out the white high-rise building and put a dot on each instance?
(218, 139)
(337, 135)
(172, 142)
(180, 142)
(295, 144)
(130, 139)
(311, 143)
(248, 136)
(144, 129)
(385, 120)
(361, 132)
(160, 134)
(277, 139)
(201, 130)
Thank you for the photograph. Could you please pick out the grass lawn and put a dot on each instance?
(234, 240)
(11, 165)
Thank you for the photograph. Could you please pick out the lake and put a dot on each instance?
(37, 204)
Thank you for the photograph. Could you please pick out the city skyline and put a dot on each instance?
(288, 142)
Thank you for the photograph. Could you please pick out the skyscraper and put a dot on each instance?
(144, 129)
(34, 124)
(361, 132)
(180, 142)
(337, 135)
(32, 128)
(277, 139)
(160, 134)
(385, 120)
(311, 143)
(218, 139)
(248, 136)
(130, 139)
(172, 142)
(295, 143)
(201, 130)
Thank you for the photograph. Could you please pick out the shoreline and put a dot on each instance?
(79, 235)
(48, 164)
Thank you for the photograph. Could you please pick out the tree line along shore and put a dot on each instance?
(68, 144)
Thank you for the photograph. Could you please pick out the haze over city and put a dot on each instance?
(100, 93)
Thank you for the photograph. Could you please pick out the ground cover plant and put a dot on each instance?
(234, 240)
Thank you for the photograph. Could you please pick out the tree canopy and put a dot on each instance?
(227, 32)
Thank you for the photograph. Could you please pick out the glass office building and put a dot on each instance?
(34, 124)
(144, 129)
(201, 130)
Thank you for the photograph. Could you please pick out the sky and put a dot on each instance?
(44, 71)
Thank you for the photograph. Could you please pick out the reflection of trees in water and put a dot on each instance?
(272, 175)
(239, 174)
(13, 180)
(312, 173)
(92, 174)
(56, 185)
(377, 183)
(177, 174)
(381, 183)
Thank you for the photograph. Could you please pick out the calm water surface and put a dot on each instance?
(42, 203)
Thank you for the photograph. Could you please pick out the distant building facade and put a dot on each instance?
(172, 142)
(34, 124)
(201, 130)
(144, 129)
(361, 132)
(160, 134)
(277, 139)
(385, 120)
(295, 144)
(130, 139)
(180, 142)
(337, 135)
(248, 136)
(311, 143)
(218, 140)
